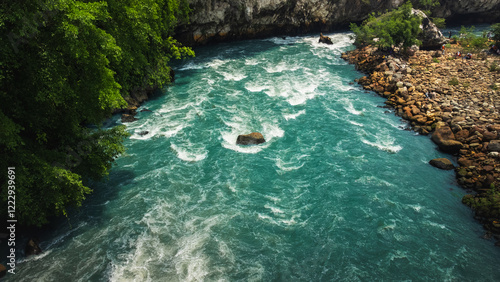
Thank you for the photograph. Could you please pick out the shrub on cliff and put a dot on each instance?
(397, 28)
(64, 65)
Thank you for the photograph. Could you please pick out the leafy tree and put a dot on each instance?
(495, 30)
(471, 42)
(65, 64)
(426, 5)
(397, 28)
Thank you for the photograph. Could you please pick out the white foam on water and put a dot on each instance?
(226, 252)
(383, 142)
(216, 63)
(251, 62)
(189, 154)
(179, 249)
(434, 224)
(398, 254)
(274, 210)
(294, 92)
(48, 248)
(330, 52)
(266, 218)
(283, 40)
(355, 123)
(290, 221)
(373, 180)
(254, 86)
(135, 266)
(348, 106)
(294, 116)
(288, 166)
(281, 67)
(237, 126)
(232, 76)
(417, 208)
(191, 66)
(274, 199)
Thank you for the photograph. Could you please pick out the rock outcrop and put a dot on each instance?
(32, 248)
(128, 118)
(442, 163)
(431, 37)
(219, 20)
(253, 138)
(468, 11)
(325, 39)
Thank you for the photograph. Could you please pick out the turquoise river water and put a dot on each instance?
(339, 192)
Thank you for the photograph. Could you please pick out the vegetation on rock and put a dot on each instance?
(65, 65)
(396, 28)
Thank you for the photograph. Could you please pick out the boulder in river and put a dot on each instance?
(32, 248)
(128, 118)
(250, 139)
(142, 133)
(325, 39)
(442, 163)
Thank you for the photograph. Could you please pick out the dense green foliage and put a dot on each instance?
(396, 28)
(495, 30)
(65, 64)
(426, 5)
(469, 41)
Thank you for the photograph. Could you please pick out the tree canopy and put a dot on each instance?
(396, 28)
(65, 64)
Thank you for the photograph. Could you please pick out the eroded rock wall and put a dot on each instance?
(219, 20)
(469, 10)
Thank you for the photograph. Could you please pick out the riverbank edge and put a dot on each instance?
(421, 88)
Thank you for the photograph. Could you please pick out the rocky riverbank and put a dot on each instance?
(457, 101)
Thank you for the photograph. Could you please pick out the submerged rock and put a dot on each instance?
(325, 39)
(32, 248)
(250, 139)
(128, 118)
(142, 133)
(442, 163)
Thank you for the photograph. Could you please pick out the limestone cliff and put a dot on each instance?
(469, 10)
(217, 20)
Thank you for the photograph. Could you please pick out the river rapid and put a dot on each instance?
(339, 192)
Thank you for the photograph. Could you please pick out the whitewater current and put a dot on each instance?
(341, 191)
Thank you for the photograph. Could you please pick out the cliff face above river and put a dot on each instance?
(218, 20)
